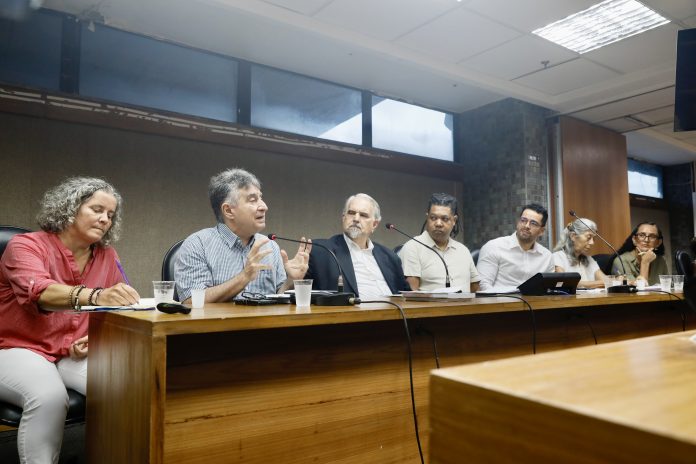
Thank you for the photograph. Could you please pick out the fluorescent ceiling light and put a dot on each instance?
(601, 24)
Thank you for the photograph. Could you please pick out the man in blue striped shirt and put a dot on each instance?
(233, 257)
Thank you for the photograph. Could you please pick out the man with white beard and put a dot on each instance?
(370, 270)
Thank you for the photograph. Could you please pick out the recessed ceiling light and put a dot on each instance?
(601, 24)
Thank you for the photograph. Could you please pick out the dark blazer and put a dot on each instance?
(324, 271)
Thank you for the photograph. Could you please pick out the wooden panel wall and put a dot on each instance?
(595, 179)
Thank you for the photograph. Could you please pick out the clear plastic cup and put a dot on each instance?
(666, 283)
(611, 280)
(303, 292)
(678, 282)
(164, 291)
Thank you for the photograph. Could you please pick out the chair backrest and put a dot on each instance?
(6, 233)
(398, 248)
(684, 266)
(169, 260)
(604, 261)
(474, 255)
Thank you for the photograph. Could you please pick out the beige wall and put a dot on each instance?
(164, 185)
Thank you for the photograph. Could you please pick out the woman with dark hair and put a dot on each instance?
(572, 253)
(642, 255)
(45, 279)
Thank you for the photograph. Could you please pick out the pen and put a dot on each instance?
(123, 273)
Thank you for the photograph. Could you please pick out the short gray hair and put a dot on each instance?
(60, 205)
(565, 243)
(375, 205)
(225, 187)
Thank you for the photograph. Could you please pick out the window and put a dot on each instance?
(30, 51)
(124, 67)
(293, 103)
(411, 129)
(644, 179)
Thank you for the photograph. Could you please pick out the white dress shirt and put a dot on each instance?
(371, 283)
(503, 264)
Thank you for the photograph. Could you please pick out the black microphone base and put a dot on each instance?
(622, 289)
(334, 299)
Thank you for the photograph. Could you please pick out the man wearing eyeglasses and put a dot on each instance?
(642, 255)
(506, 262)
(423, 269)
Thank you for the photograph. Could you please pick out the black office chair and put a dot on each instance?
(475, 255)
(398, 248)
(10, 414)
(168, 264)
(605, 261)
(683, 261)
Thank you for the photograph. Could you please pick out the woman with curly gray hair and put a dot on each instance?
(45, 279)
(572, 253)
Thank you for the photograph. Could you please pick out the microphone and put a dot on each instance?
(391, 226)
(623, 288)
(339, 298)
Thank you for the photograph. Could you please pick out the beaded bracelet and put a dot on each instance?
(76, 305)
(97, 295)
(91, 294)
(71, 295)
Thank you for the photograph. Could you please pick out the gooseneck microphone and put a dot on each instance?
(339, 298)
(391, 226)
(623, 288)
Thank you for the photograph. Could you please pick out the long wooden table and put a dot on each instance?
(276, 384)
(627, 402)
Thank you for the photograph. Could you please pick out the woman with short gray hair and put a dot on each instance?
(572, 253)
(45, 279)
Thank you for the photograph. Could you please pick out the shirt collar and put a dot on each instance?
(233, 239)
(354, 246)
(428, 240)
(514, 243)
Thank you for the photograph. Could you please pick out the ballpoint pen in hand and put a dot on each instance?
(123, 272)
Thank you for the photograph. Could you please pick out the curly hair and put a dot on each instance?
(60, 205)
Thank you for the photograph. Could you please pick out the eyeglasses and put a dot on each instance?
(253, 296)
(532, 222)
(650, 237)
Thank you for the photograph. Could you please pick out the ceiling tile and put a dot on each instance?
(623, 124)
(518, 57)
(306, 7)
(526, 17)
(657, 116)
(383, 19)
(628, 106)
(641, 51)
(565, 77)
(457, 35)
(675, 9)
(690, 21)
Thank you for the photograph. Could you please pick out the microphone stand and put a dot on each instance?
(624, 287)
(338, 298)
(447, 276)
